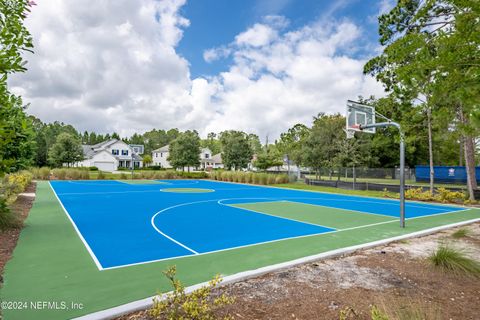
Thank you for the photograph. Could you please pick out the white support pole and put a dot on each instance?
(402, 163)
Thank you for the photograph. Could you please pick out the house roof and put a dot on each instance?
(217, 158)
(104, 144)
(162, 149)
(91, 150)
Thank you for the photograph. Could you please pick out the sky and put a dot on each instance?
(260, 66)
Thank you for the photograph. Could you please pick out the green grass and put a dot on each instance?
(390, 181)
(303, 186)
(461, 233)
(50, 262)
(455, 261)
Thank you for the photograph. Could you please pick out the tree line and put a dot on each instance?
(429, 66)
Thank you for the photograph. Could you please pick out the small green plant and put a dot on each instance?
(123, 176)
(455, 261)
(461, 233)
(377, 314)
(197, 305)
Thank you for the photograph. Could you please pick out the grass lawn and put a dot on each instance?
(51, 264)
(390, 181)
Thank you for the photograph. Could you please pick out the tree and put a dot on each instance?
(290, 143)
(236, 149)
(322, 144)
(16, 134)
(268, 158)
(212, 143)
(185, 150)
(67, 149)
(432, 55)
(147, 160)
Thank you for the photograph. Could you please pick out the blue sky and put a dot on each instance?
(216, 22)
(259, 66)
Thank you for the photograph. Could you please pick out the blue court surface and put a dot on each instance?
(124, 224)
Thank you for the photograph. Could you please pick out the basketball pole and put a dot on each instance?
(402, 162)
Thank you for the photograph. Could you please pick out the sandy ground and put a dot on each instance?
(396, 278)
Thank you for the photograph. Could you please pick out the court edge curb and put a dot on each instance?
(147, 302)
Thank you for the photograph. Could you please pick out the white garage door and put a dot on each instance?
(105, 166)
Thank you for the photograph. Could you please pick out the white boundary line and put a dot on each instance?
(90, 251)
(202, 190)
(147, 302)
(258, 243)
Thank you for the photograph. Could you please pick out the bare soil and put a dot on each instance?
(9, 238)
(396, 278)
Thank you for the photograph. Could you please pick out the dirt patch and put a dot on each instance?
(9, 238)
(397, 278)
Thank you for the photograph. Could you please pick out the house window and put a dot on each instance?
(124, 152)
(207, 155)
(115, 152)
(161, 154)
(156, 155)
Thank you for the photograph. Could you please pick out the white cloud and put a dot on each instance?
(115, 68)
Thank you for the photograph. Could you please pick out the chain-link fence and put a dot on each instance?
(347, 174)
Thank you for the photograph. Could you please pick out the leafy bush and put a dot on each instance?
(13, 184)
(445, 195)
(101, 175)
(199, 304)
(452, 260)
(93, 168)
(7, 218)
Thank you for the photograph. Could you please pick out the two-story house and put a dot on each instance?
(160, 156)
(111, 154)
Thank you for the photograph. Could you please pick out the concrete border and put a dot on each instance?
(147, 302)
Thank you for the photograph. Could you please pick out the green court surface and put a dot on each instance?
(50, 263)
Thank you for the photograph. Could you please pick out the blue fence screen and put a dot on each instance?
(444, 174)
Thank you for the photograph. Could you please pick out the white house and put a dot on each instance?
(110, 155)
(160, 155)
(217, 162)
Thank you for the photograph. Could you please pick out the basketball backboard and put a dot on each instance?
(359, 115)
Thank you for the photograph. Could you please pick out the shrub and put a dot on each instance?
(84, 175)
(263, 177)
(44, 173)
(461, 233)
(199, 305)
(7, 218)
(455, 261)
(445, 195)
(73, 174)
(123, 176)
(271, 179)
(169, 175)
(93, 168)
(101, 175)
(59, 174)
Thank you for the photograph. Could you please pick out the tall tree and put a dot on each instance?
(185, 150)
(237, 149)
(432, 52)
(16, 136)
(66, 150)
